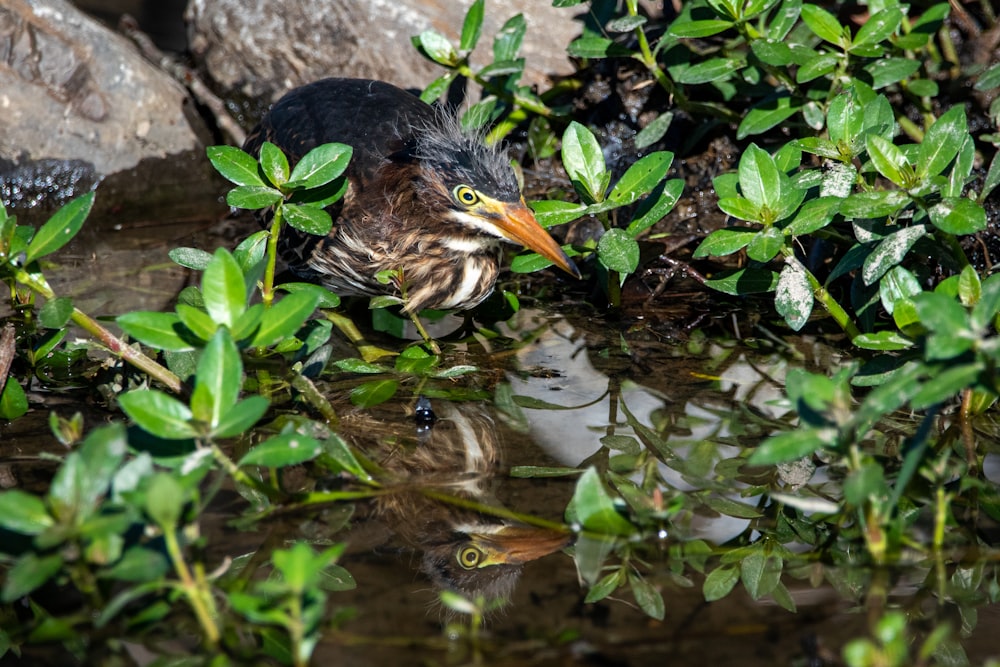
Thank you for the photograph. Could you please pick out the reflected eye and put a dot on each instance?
(466, 195)
(469, 557)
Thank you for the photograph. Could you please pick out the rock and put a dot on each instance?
(80, 108)
(259, 52)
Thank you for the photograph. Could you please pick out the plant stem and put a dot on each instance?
(822, 295)
(113, 343)
(267, 289)
(199, 598)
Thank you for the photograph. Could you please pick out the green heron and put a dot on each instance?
(463, 550)
(426, 199)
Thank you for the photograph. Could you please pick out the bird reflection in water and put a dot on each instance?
(437, 484)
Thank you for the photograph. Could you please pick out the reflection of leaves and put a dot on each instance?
(594, 509)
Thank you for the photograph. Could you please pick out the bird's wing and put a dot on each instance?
(377, 119)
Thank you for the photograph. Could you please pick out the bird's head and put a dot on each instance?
(480, 188)
(485, 559)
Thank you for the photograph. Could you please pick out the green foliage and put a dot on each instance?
(850, 173)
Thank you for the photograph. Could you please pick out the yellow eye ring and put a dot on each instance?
(465, 195)
(469, 557)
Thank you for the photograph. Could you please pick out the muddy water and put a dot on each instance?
(575, 380)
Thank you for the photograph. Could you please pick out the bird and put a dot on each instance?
(436, 482)
(427, 202)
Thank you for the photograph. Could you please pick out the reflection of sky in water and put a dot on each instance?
(557, 369)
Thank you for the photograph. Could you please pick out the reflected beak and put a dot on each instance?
(513, 545)
(516, 222)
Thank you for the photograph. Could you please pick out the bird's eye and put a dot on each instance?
(469, 557)
(466, 195)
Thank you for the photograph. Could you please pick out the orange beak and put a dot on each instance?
(513, 545)
(517, 223)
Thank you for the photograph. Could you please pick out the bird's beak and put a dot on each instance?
(513, 545)
(517, 223)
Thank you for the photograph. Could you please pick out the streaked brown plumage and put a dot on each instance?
(424, 197)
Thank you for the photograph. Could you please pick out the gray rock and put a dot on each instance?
(259, 50)
(80, 108)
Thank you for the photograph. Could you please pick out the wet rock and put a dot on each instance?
(80, 108)
(260, 51)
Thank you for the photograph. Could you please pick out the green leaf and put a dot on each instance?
(235, 165)
(814, 215)
(324, 297)
(284, 318)
(320, 166)
(274, 163)
(947, 384)
(158, 330)
(709, 70)
(898, 283)
(760, 572)
(644, 175)
(819, 65)
(158, 413)
(607, 585)
(765, 245)
(22, 512)
(241, 417)
(654, 131)
(28, 573)
(970, 289)
(164, 501)
(878, 28)
(845, 118)
(252, 197)
(788, 446)
(550, 212)
(191, 258)
(218, 380)
(890, 251)
(626, 23)
(223, 289)
(60, 228)
(472, 26)
(647, 597)
(942, 142)
(283, 450)
(596, 47)
(437, 48)
(695, 29)
(55, 313)
(723, 242)
(888, 159)
(584, 163)
(882, 341)
(358, 366)
(887, 71)
(759, 177)
(86, 474)
(372, 393)
(744, 281)
(877, 204)
(729, 507)
(772, 52)
(767, 115)
(824, 25)
(594, 509)
(958, 215)
(618, 251)
(508, 39)
(651, 210)
(719, 583)
(793, 296)
(742, 208)
(198, 321)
